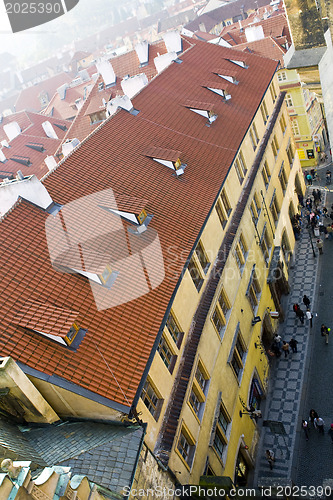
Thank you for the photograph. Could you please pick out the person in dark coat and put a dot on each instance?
(293, 344)
(306, 301)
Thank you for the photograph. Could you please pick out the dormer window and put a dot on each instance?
(168, 157)
(229, 78)
(220, 92)
(206, 112)
(242, 64)
(52, 322)
(132, 210)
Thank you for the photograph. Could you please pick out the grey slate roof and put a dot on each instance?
(106, 453)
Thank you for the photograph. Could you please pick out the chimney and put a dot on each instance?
(19, 175)
(29, 188)
(62, 91)
(106, 70)
(69, 146)
(12, 130)
(163, 61)
(173, 41)
(121, 101)
(2, 156)
(50, 162)
(132, 85)
(49, 130)
(142, 51)
(254, 33)
(243, 12)
(5, 144)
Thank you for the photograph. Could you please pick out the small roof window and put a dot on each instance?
(37, 147)
(169, 157)
(23, 160)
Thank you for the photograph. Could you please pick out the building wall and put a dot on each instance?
(216, 348)
(69, 404)
(305, 115)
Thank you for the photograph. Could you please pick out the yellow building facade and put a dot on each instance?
(232, 287)
(306, 117)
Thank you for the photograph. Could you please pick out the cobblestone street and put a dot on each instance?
(302, 381)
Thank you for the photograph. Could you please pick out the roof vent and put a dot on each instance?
(62, 127)
(36, 147)
(173, 41)
(12, 130)
(206, 110)
(142, 51)
(5, 144)
(19, 176)
(23, 160)
(229, 78)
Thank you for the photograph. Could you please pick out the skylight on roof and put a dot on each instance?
(62, 127)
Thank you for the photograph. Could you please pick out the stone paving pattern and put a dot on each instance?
(302, 381)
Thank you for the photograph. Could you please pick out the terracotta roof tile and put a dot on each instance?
(122, 337)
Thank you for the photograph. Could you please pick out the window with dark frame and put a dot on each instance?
(165, 352)
(174, 330)
(151, 399)
(201, 254)
(237, 354)
(186, 446)
(265, 244)
(266, 175)
(195, 274)
(221, 214)
(275, 208)
(253, 291)
(264, 112)
(283, 178)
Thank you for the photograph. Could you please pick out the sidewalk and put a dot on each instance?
(284, 396)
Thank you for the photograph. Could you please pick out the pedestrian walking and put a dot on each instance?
(270, 457)
(296, 307)
(325, 332)
(320, 245)
(300, 315)
(293, 344)
(313, 415)
(309, 316)
(330, 432)
(309, 179)
(285, 348)
(306, 301)
(319, 424)
(278, 340)
(305, 427)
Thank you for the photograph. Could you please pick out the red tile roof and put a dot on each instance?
(126, 64)
(32, 133)
(266, 47)
(28, 98)
(123, 336)
(275, 27)
(65, 108)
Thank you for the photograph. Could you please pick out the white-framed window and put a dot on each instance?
(295, 127)
(289, 101)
